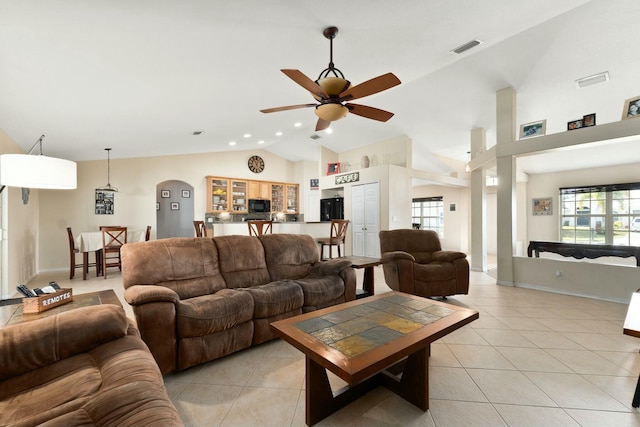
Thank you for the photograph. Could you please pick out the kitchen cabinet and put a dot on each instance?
(260, 190)
(232, 195)
(227, 195)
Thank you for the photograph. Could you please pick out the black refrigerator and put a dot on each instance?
(332, 208)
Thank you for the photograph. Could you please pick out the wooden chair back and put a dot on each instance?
(201, 229)
(258, 227)
(337, 237)
(147, 234)
(72, 254)
(339, 231)
(112, 240)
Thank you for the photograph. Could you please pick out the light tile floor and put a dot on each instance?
(532, 359)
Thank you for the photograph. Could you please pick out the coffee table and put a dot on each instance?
(10, 314)
(381, 340)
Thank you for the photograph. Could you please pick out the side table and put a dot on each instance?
(367, 283)
(12, 313)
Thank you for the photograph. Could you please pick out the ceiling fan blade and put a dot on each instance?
(322, 124)
(375, 85)
(304, 81)
(369, 112)
(288, 107)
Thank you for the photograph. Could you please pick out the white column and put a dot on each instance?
(478, 204)
(506, 196)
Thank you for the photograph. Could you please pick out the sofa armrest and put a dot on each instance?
(330, 267)
(155, 311)
(31, 345)
(144, 294)
(447, 256)
(396, 255)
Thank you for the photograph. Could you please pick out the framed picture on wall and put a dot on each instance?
(175, 206)
(165, 194)
(542, 206)
(186, 194)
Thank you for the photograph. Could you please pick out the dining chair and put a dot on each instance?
(112, 240)
(201, 228)
(147, 234)
(73, 251)
(258, 227)
(337, 237)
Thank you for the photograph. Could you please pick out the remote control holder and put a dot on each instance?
(46, 302)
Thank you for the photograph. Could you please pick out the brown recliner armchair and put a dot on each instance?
(416, 264)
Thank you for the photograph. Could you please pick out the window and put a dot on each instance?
(603, 214)
(427, 214)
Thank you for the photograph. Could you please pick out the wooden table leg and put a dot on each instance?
(636, 396)
(367, 283)
(414, 384)
(85, 265)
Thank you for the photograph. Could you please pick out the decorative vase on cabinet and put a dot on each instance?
(364, 162)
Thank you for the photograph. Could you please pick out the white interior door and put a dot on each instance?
(365, 217)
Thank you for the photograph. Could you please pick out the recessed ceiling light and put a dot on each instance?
(329, 130)
(278, 133)
(592, 80)
(261, 142)
(465, 47)
(198, 132)
(247, 135)
(232, 143)
(297, 124)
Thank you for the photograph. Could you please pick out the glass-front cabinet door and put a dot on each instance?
(217, 194)
(292, 198)
(239, 196)
(277, 197)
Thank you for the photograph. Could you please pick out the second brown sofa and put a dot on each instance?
(198, 299)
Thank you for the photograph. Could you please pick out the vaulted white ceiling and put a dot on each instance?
(142, 76)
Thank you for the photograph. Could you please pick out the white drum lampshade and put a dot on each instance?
(37, 171)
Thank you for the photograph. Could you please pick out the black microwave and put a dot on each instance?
(259, 205)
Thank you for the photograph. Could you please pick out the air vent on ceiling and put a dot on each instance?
(315, 136)
(198, 132)
(592, 80)
(465, 47)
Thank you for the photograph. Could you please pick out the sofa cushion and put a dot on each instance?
(188, 266)
(275, 298)
(320, 290)
(434, 272)
(242, 262)
(289, 256)
(42, 342)
(207, 314)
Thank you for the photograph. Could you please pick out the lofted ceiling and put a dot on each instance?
(141, 76)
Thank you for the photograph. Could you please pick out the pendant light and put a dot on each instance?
(108, 187)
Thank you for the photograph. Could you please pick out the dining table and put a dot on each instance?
(91, 241)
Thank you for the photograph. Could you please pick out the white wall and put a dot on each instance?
(456, 223)
(19, 230)
(548, 184)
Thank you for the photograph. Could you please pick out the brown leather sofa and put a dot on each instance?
(198, 299)
(416, 264)
(83, 367)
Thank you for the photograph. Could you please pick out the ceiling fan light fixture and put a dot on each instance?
(331, 111)
(334, 86)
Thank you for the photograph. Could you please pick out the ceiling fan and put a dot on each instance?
(334, 93)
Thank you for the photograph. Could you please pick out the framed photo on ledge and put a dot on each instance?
(631, 108)
(333, 168)
(533, 129)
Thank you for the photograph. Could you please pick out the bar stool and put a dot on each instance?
(258, 227)
(336, 238)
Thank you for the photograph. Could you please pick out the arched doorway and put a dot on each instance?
(174, 209)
